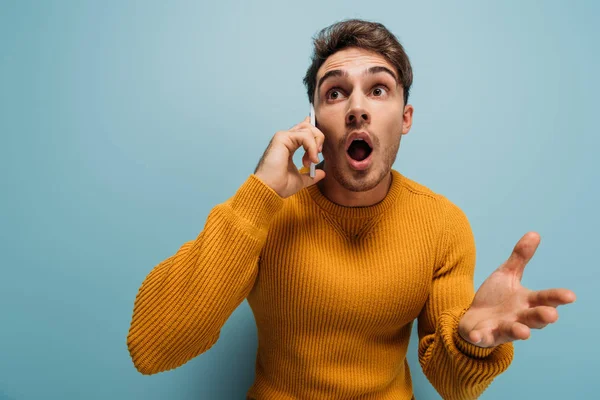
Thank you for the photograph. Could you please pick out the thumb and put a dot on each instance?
(522, 254)
(308, 181)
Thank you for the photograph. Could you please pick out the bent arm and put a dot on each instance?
(457, 369)
(185, 300)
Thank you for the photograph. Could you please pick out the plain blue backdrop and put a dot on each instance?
(124, 122)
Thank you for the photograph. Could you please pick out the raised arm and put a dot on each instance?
(186, 299)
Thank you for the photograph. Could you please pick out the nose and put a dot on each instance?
(357, 114)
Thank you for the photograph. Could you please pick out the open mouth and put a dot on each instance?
(359, 150)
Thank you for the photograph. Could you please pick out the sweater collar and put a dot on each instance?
(359, 212)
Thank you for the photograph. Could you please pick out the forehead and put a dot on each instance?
(354, 60)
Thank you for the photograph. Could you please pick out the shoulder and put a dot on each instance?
(447, 211)
(455, 236)
(418, 190)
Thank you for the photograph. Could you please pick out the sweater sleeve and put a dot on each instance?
(457, 369)
(186, 299)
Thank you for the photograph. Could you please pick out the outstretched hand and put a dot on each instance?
(503, 310)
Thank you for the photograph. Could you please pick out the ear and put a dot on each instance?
(407, 118)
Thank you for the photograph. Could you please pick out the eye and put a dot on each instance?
(379, 91)
(334, 94)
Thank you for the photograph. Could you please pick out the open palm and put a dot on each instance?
(503, 310)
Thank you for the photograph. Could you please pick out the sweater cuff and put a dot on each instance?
(456, 343)
(256, 202)
(461, 344)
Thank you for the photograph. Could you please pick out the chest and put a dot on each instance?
(380, 282)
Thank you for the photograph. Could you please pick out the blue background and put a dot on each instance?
(123, 123)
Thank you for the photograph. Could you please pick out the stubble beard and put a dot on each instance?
(362, 181)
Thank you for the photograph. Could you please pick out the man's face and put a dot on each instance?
(360, 93)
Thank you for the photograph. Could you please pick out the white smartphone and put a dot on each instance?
(312, 122)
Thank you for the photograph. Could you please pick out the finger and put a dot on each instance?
(522, 253)
(538, 317)
(551, 297)
(306, 160)
(511, 330)
(319, 136)
(310, 146)
(481, 337)
(294, 139)
(520, 331)
(487, 338)
(476, 337)
(307, 180)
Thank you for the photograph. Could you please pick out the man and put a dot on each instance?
(337, 268)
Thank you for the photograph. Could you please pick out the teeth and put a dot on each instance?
(361, 139)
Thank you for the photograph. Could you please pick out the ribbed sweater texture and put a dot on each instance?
(334, 291)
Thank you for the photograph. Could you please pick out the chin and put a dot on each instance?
(363, 180)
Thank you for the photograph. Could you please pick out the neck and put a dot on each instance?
(336, 193)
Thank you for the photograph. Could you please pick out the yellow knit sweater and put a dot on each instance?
(334, 291)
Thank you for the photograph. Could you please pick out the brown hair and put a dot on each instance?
(366, 35)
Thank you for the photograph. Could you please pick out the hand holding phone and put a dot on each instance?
(276, 167)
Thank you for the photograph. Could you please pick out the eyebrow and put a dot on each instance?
(342, 73)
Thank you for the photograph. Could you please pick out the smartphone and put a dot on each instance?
(313, 123)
